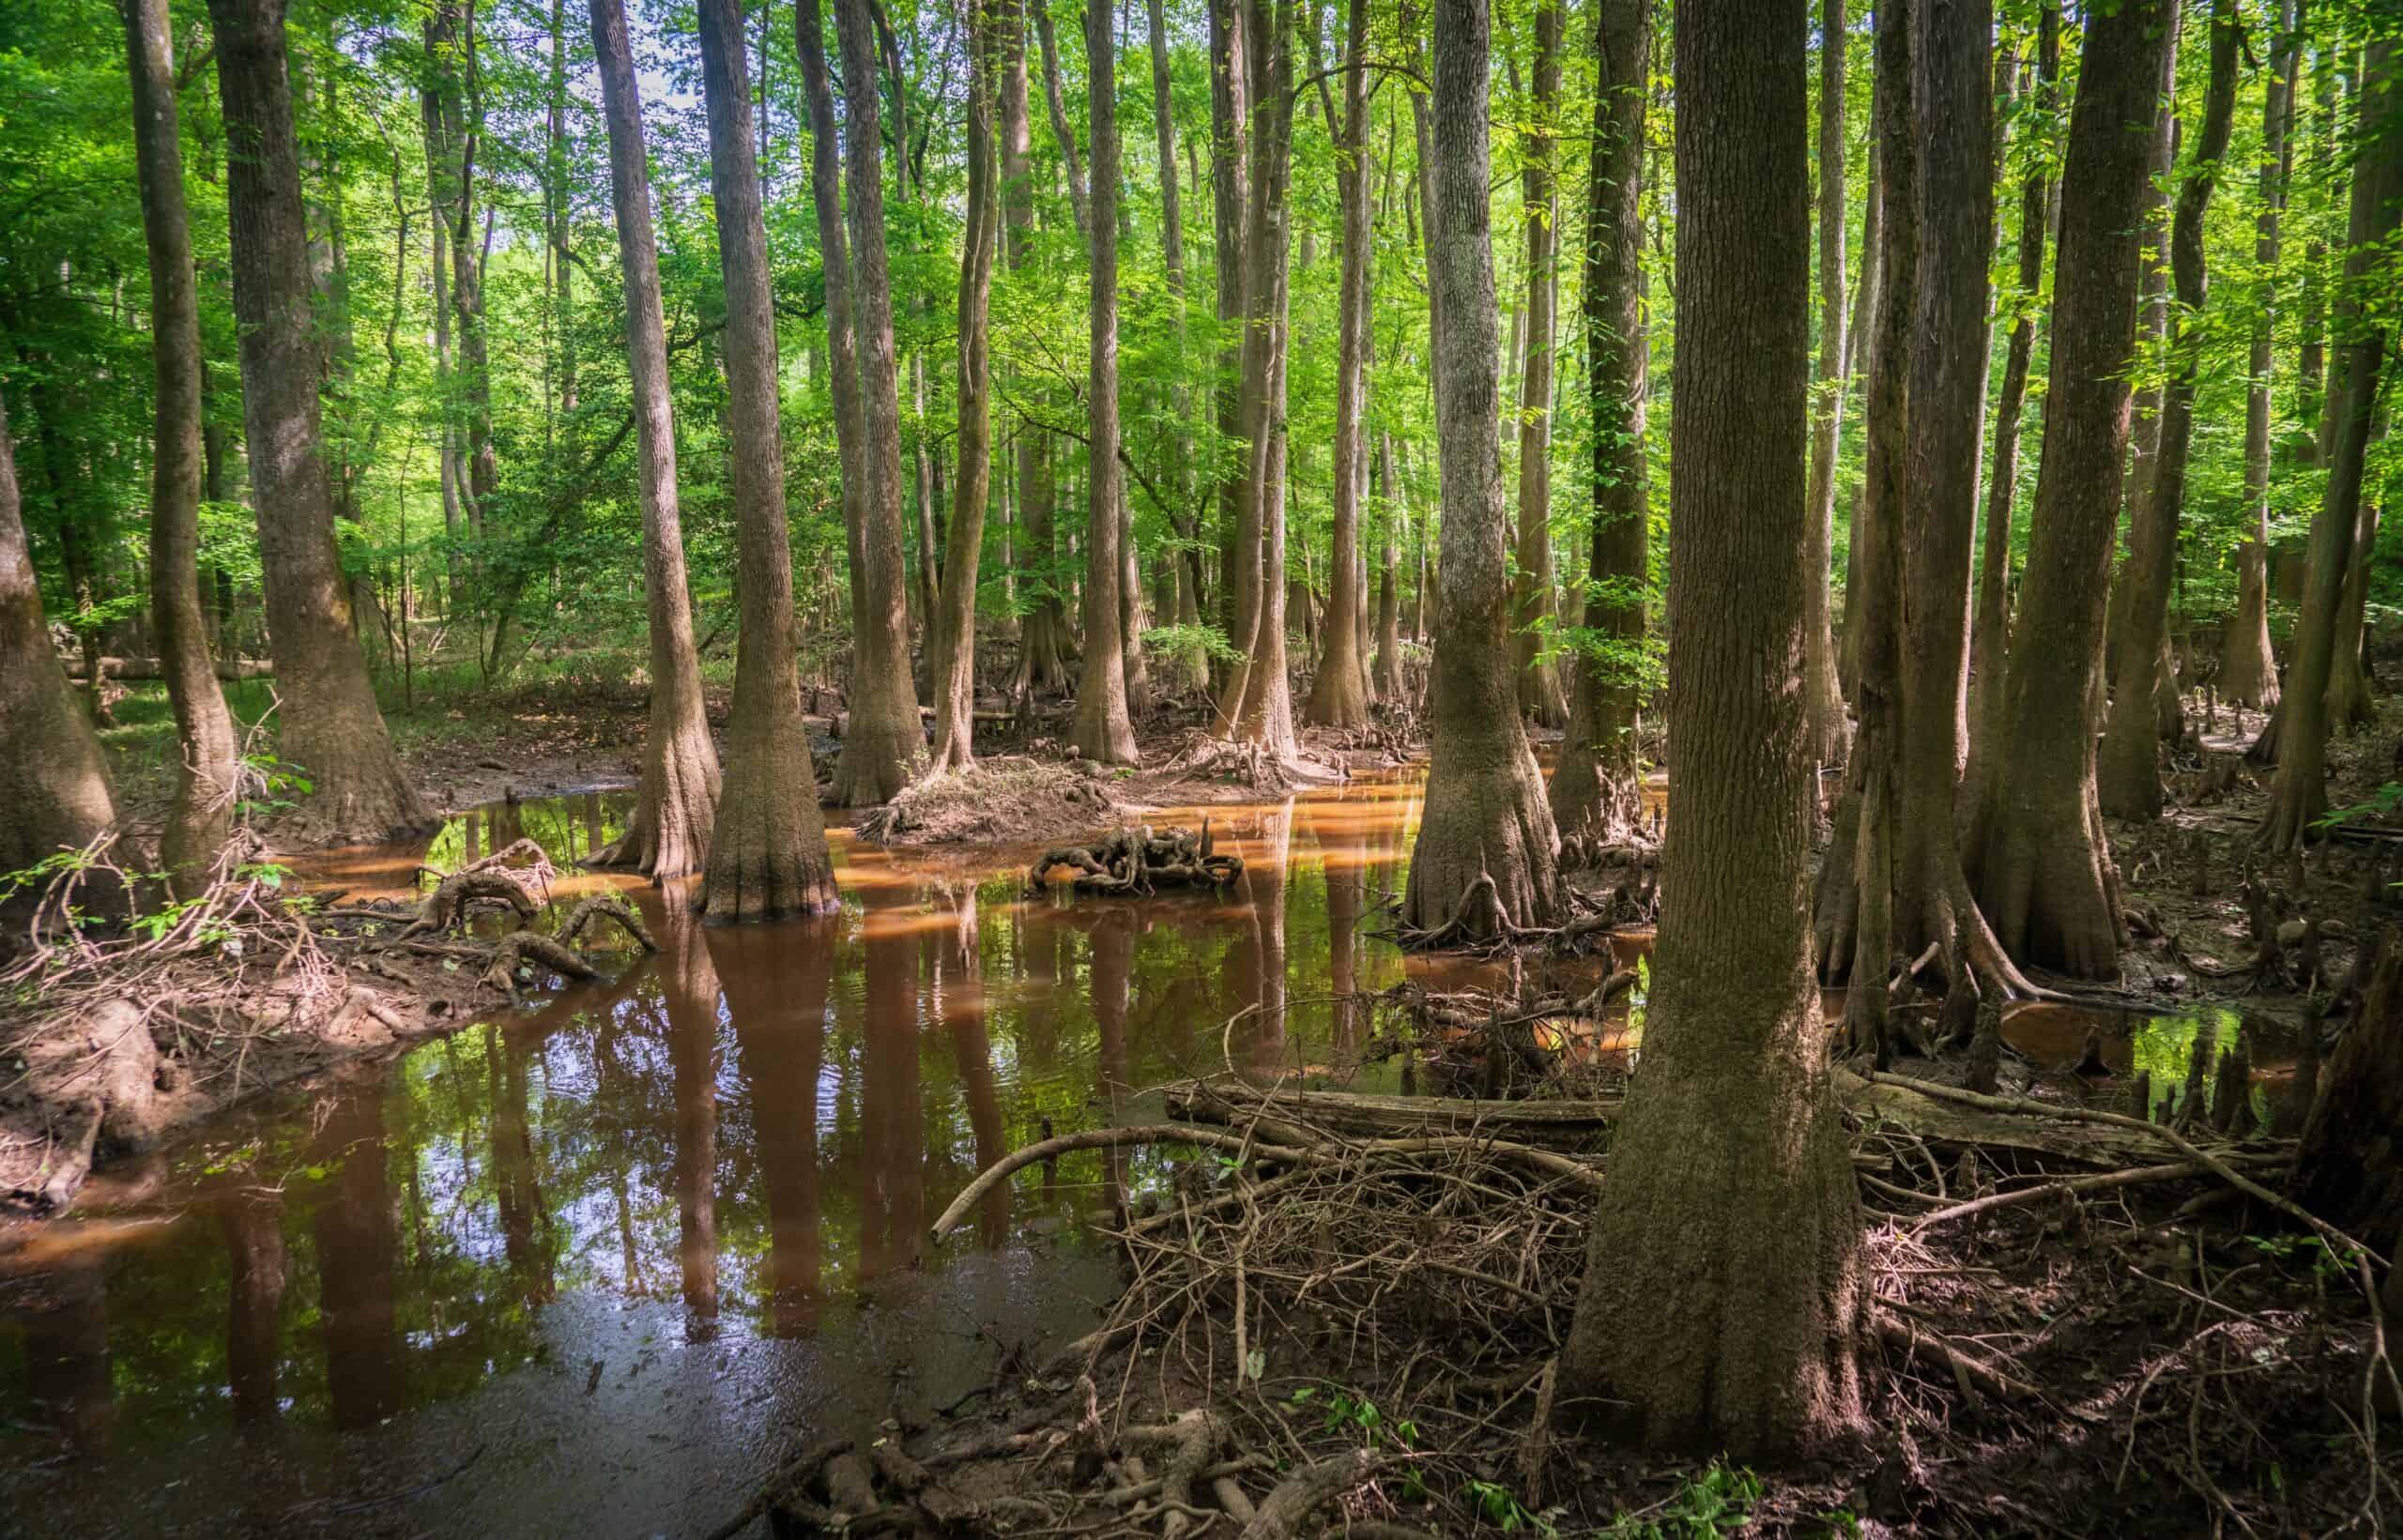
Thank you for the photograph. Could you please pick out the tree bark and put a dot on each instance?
(1043, 647)
(1229, 201)
(668, 835)
(2039, 860)
(1339, 692)
(1595, 791)
(1256, 703)
(954, 628)
(1822, 684)
(2248, 670)
(1990, 638)
(767, 855)
(2299, 796)
(201, 818)
(1722, 1289)
(53, 782)
(331, 727)
(1385, 677)
(1533, 610)
(884, 735)
(2128, 774)
(1103, 732)
(1486, 820)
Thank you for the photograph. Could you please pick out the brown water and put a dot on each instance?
(591, 1265)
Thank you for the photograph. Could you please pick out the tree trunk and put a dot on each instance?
(1386, 676)
(2039, 863)
(2299, 796)
(1990, 639)
(1873, 587)
(1103, 732)
(2128, 775)
(1043, 634)
(886, 734)
(2248, 670)
(1723, 1285)
(953, 632)
(331, 727)
(201, 818)
(668, 835)
(768, 854)
(1256, 703)
(1338, 694)
(2349, 680)
(1532, 604)
(1595, 791)
(53, 782)
(2347, 1166)
(1822, 687)
(1487, 829)
(1230, 200)
(437, 111)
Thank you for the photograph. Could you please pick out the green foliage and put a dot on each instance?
(1717, 1503)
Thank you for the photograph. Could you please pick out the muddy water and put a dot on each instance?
(589, 1266)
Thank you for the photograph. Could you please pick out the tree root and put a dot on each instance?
(1138, 861)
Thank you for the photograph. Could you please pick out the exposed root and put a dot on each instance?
(1139, 862)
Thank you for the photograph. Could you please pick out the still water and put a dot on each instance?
(591, 1265)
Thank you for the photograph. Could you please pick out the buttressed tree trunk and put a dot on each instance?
(2039, 860)
(1532, 603)
(1103, 732)
(2299, 797)
(1852, 901)
(331, 727)
(668, 835)
(768, 854)
(955, 619)
(1486, 825)
(1595, 791)
(2248, 671)
(202, 815)
(2128, 774)
(1822, 688)
(1989, 638)
(1723, 1293)
(55, 789)
(884, 733)
(1338, 694)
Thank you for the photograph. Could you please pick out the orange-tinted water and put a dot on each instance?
(590, 1265)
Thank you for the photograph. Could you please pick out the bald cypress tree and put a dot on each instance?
(1723, 1293)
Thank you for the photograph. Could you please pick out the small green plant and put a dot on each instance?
(1500, 1507)
(264, 782)
(1717, 1503)
(2378, 805)
(1344, 1410)
(2284, 1248)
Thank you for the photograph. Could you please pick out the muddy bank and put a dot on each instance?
(114, 1041)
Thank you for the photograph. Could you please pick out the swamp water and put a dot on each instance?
(591, 1266)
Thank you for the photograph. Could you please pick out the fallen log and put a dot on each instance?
(1362, 1110)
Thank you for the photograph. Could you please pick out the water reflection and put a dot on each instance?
(628, 1236)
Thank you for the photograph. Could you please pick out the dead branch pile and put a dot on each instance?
(1139, 862)
(1345, 1315)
